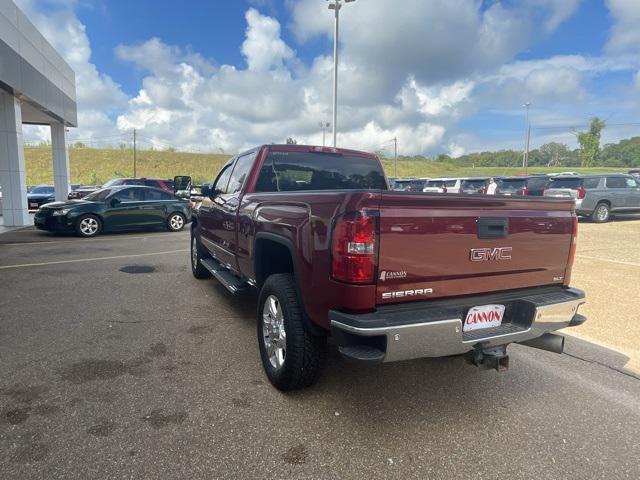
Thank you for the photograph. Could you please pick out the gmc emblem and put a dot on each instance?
(490, 254)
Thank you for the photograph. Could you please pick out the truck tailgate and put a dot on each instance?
(435, 246)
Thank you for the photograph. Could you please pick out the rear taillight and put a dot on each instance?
(581, 193)
(409, 189)
(525, 191)
(572, 251)
(354, 249)
(444, 189)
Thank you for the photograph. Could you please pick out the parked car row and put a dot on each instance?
(596, 196)
(39, 195)
(515, 185)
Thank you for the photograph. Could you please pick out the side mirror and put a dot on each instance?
(182, 183)
(113, 201)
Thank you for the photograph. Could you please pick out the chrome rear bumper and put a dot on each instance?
(437, 329)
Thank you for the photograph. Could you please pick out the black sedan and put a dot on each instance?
(115, 209)
(39, 195)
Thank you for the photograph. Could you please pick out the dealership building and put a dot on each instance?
(37, 87)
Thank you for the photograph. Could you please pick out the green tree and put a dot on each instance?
(553, 153)
(590, 142)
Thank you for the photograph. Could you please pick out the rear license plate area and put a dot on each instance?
(483, 316)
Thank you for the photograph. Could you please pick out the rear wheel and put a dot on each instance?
(175, 222)
(88, 226)
(292, 357)
(198, 254)
(602, 213)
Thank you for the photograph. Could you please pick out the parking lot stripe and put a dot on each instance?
(620, 262)
(79, 260)
(87, 240)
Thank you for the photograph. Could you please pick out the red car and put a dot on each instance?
(331, 251)
(162, 184)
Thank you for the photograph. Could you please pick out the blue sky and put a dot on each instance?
(444, 76)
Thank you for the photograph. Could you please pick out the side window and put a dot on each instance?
(616, 182)
(223, 178)
(155, 195)
(589, 183)
(241, 171)
(267, 178)
(130, 195)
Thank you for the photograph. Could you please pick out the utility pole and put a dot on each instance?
(336, 5)
(324, 126)
(525, 157)
(134, 153)
(395, 157)
(526, 163)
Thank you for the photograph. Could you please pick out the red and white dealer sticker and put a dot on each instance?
(484, 316)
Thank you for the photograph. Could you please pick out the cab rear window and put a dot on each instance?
(300, 171)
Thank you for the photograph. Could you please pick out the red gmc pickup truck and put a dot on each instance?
(389, 275)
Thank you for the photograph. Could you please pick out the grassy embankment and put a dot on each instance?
(97, 165)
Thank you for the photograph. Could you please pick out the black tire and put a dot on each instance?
(88, 226)
(602, 213)
(305, 354)
(197, 254)
(176, 222)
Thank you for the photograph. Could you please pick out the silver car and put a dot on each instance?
(598, 196)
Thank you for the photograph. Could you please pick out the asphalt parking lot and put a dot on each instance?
(117, 363)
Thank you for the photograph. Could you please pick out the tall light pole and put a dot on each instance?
(324, 126)
(336, 5)
(525, 158)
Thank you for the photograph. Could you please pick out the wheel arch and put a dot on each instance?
(275, 247)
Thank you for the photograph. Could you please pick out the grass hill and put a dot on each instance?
(97, 165)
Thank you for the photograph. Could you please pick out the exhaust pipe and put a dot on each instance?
(550, 342)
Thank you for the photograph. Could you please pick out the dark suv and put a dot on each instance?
(598, 196)
(527, 185)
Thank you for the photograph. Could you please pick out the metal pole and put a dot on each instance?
(525, 156)
(335, 70)
(134, 153)
(526, 163)
(395, 156)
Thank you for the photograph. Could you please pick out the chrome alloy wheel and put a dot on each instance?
(176, 222)
(194, 252)
(273, 331)
(602, 213)
(89, 226)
